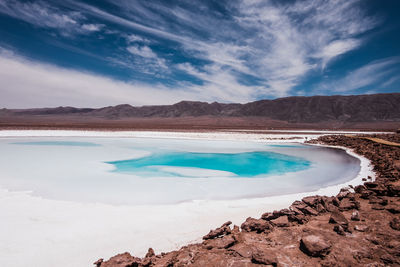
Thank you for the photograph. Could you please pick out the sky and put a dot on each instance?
(109, 52)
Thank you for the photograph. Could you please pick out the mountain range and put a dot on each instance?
(297, 110)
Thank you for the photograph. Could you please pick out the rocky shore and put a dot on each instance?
(358, 227)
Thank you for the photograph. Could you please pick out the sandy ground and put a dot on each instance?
(42, 232)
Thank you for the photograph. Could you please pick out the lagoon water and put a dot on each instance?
(165, 171)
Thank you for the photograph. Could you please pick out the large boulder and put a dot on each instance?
(282, 221)
(264, 256)
(223, 230)
(338, 217)
(395, 224)
(221, 242)
(315, 245)
(256, 225)
(121, 260)
(347, 204)
(312, 200)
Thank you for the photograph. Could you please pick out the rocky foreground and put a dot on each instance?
(358, 227)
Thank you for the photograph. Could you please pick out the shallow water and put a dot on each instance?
(162, 171)
(247, 164)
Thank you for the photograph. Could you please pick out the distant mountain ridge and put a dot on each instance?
(296, 109)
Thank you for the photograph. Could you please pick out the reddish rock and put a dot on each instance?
(347, 204)
(393, 190)
(311, 200)
(223, 230)
(268, 216)
(282, 221)
(361, 228)
(122, 260)
(221, 242)
(396, 164)
(243, 250)
(395, 209)
(355, 216)
(371, 184)
(98, 262)
(310, 211)
(342, 194)
(339, 229)
(256, 225)
(267, 257)
(338, 217)
(395, 224)
(150, 253)
(315, 245)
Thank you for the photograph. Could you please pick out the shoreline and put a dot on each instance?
(274, 203)
(366, 226)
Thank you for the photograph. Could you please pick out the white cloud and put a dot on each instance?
(367, 75)
(277, 43)
(42, 14)
(32, 84)
(145, 59)
(336, 48)
(133, 38)
(92, 27)
(143, 51)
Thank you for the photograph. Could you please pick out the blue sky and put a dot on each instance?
(100, 53)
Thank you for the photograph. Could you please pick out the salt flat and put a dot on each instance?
(81, 231)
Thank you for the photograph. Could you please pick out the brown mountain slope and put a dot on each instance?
(329, 111)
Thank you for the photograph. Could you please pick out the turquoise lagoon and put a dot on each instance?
(246, 164)
(165, 171)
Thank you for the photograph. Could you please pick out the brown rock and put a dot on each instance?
(122, 260)
(223, 230)
(256, 225)
(393, 190)
(396, 164)
(339, 229)
(150, 253)
(267, 257)
(378, 200)
(282, 212)
(98, 262)
(320, 208)
(311, 200)
(371, 184)
(338, 217)
(342, 194)
(282, 221)
(347, 204)
(315, 245)
(360, 188)
(310, 211)
(395, 224)
(395, 209)
(221, 242)
(387, 258)
(268, 216)
(377, 207)
(361, 228)
(355, 216)
(243, 250)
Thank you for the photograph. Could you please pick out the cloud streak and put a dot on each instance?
(42, 14)
(367, 75)
(242, 50)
